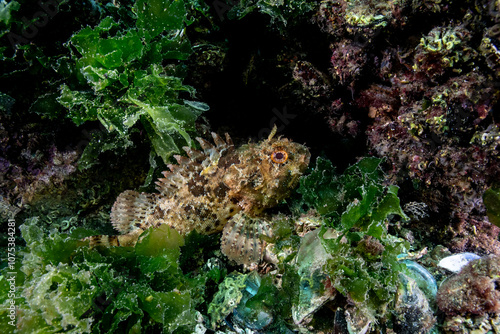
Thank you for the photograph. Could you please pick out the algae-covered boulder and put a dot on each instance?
(474, 290)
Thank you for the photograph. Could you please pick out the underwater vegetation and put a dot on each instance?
(363, 264)
(281, 13)
(122, 79)
(491, 199)
(125, 69)
(75, 289)
(220, 189)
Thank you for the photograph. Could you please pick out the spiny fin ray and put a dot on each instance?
(195, 161)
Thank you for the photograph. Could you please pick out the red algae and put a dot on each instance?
(475, 290)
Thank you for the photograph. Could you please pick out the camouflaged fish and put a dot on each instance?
(221, 188)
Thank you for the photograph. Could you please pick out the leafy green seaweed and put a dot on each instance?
(364, 263)
(122, 79)
(491, 199)
(282, 13)
(62, 285)
(172, 284)
(6, 9)
(351, 196)
(121, 64)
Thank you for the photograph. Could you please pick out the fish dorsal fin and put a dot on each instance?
(273, 133)
(197, 162)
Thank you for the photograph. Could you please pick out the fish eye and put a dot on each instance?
(279, 156)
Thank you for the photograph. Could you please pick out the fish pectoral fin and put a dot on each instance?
(242, 239)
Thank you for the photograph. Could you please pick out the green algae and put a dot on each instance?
(364, 263)
(315, 289)
(251, 301)
(355, 197)
(66, 287)
(227, 298)
(281, 13)
(362, 14)
(369, 279)
(118, 64)
(6, 21)
(450, 45)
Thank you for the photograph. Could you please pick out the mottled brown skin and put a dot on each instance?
(210, 188)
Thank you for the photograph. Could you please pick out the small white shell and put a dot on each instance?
(455, 263)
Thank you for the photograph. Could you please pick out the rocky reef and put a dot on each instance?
(425, 97)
